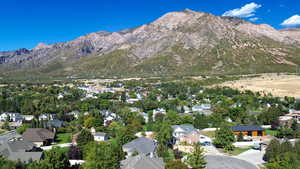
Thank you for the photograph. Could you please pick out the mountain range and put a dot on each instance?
(178, 43)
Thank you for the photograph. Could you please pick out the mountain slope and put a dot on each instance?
(178, 43)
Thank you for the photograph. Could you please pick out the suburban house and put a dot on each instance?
(99, 136)
(12, 117)
(200, 108)
(288, 119)
(39, 136)
(47, 117)
(249, 130)
(109, 116)
(141, 146)
(28, 117)
(285, 120)
(183, 130)
(188, 134)
(74, 114)
(20, 150)
(142, 162)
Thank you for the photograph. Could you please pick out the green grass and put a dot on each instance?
(2, 131)
(62, 138)
(210, 134)
(271, 132)
(238, 150)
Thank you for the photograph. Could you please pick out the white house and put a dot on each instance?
(47, 117)
(109, 116)
(28, 117)
(60, 96)
(74, 113)
(13, 117)
(99, 136)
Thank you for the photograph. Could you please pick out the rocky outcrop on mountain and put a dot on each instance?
(185, 42)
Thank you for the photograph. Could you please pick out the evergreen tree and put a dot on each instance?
(240, 137)
(224, 138)
(196, 159)
(272, 151)
(84, 138)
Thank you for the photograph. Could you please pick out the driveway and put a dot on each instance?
(226, 162)
(58, 145)
(252, 156)
(8, 136)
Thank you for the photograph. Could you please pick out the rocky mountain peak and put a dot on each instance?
(41, 46)
(186, 39)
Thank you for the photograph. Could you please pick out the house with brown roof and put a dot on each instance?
(39, 136)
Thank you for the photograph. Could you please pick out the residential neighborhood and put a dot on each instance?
(167, 125)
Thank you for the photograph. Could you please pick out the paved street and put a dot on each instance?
(252, 156)
(226, 162)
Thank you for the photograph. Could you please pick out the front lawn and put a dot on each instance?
(210, 134)
(238, 150)
(62, 138)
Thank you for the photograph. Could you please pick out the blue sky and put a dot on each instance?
(25, 23)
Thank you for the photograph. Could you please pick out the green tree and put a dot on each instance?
(201, 121)
(54, 159)
(175, 164)
(100, 156)
(164, 134)
(6, 164)
(272, 151)
(84, 138)
(93, 122)
(6, 126)
(224, 138)
(240, 137)
(196, 159)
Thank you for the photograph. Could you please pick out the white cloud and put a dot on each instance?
(254, 19)
(244, 12)
(292, 21)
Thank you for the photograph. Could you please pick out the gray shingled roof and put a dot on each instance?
(38, 134)
(142, 162)
(141, 145)
(17, 150)
(100, 134)
(188, 128)
(247, 128)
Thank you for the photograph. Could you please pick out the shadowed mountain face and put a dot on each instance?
(178, 43)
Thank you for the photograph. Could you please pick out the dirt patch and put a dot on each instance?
(277, 85)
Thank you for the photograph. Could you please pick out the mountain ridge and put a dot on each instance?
(185, 42)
